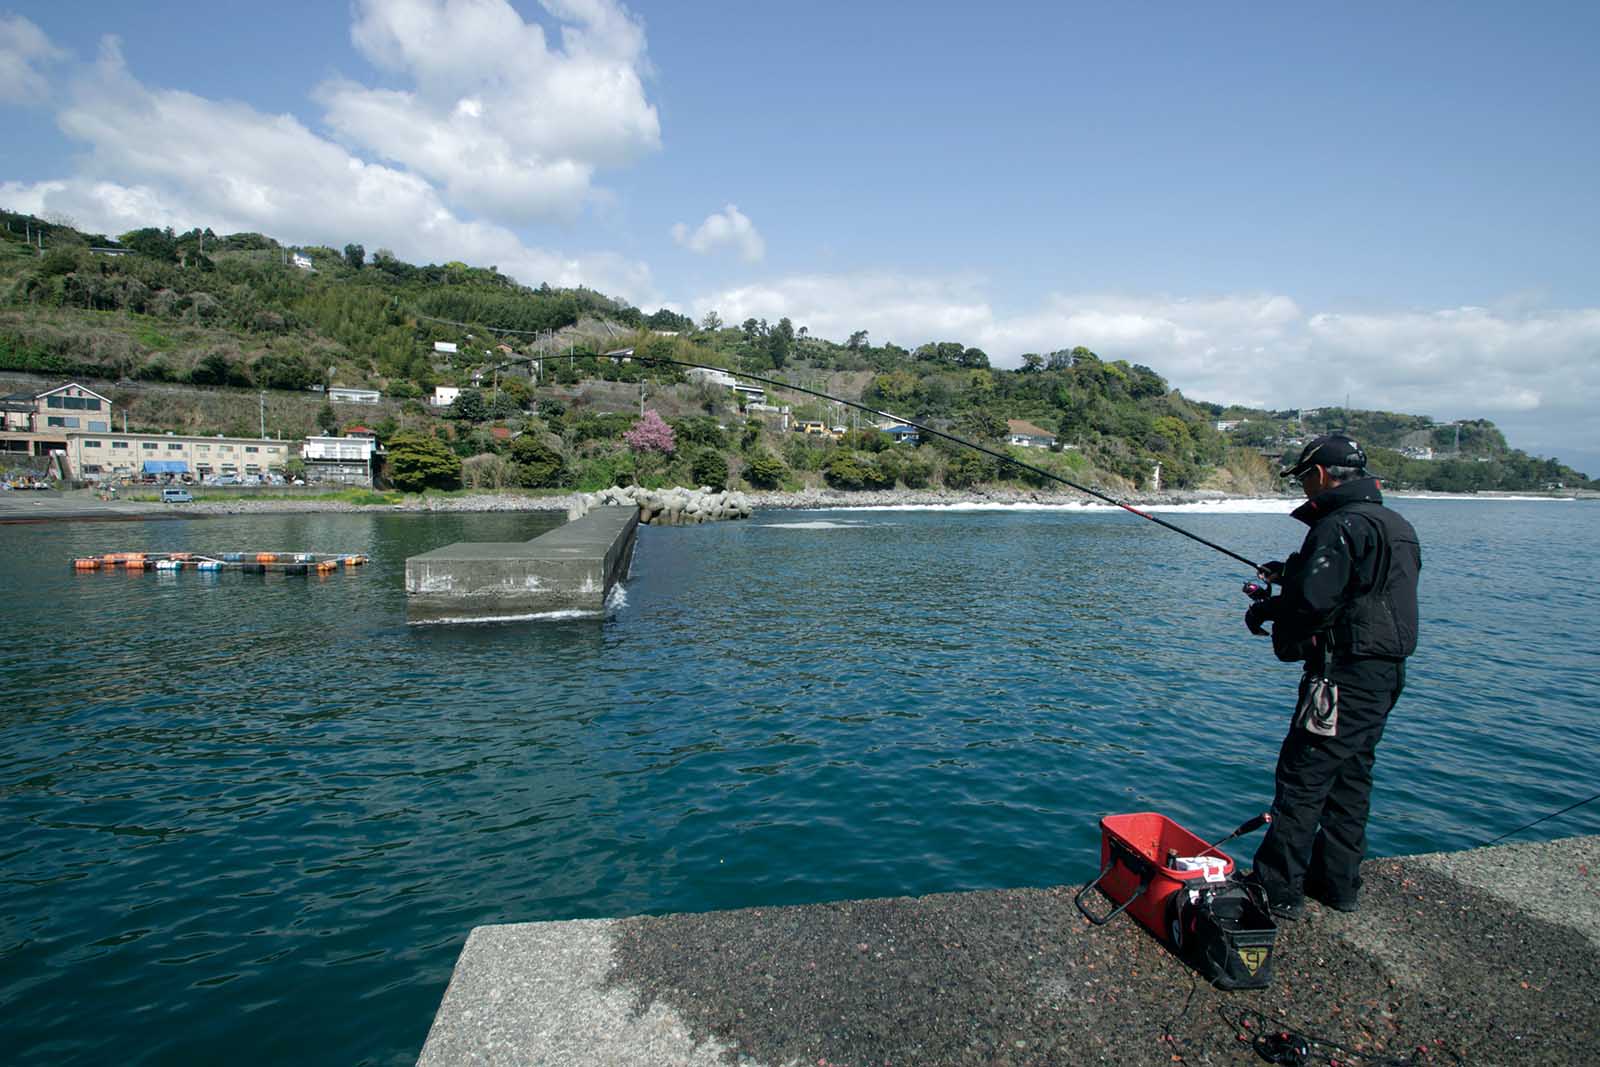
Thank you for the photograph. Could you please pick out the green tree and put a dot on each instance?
(213, 369)
(157, 244)
(780, 339)
(327, 418)
(709, 467)
(980, 424)
(538, 465)
(967, 468)
(765, 470)
(418, 462)
(469, 406)
(849, 470)
(284, 371)
(915, 472)
(355, 256)
(503, 407)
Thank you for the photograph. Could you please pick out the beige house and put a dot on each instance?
(96, 456)
(38, 423)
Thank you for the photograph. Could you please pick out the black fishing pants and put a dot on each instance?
(1318, 833)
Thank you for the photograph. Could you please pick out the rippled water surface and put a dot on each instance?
(248, 819)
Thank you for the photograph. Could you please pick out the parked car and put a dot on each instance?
(176, 495)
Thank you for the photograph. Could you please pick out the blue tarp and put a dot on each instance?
(166, 466)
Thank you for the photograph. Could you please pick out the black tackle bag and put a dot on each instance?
(1225, 932)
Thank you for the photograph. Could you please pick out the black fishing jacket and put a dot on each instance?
(1351, 591)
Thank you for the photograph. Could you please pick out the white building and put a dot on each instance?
(339, 460)
(445, 346)
(1027, 435)
(445, 395)
(339, 394)
(301, 261)
(711, 377)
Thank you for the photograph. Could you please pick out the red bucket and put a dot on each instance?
(1134, 872)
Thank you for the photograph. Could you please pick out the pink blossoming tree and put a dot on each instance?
(650, 434)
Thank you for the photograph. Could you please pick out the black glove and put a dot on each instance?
(1259, 612)
(1272, 571)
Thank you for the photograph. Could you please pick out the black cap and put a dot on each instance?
(1329, 450)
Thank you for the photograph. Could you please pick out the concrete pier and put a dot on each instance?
(570, 569)
(1489, 956)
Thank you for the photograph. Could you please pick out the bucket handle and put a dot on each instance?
(1144, 870)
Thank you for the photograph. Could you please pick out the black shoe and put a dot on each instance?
(1325, 896)
(1287, 912)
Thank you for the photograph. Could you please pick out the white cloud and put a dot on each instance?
(23, 48)
(729, 228)
(166, 157)
(1535, 372)
(502, 121)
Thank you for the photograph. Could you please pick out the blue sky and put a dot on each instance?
(1268, 205)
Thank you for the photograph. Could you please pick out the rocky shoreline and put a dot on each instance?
(814, 498)
(84, 504)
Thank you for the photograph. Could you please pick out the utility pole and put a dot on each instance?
(641, 398)
(263, 414)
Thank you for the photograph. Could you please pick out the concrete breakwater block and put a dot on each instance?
(568, 570)
(1488, 956)
(667, 507)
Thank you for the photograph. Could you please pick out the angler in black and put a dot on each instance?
(1348, 610)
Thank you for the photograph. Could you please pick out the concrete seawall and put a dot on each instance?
(1490, 956)
(570, 569)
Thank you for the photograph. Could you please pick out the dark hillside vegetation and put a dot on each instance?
(231, 316)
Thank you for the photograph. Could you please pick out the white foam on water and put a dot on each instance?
(617, 599)
(820, 524)
(533, 616)
(1477, 496)
(1249, 506)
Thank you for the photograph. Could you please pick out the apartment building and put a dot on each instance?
(97, 456)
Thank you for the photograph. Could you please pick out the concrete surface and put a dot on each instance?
(570, 569)
(31, 505)
(1482, 957)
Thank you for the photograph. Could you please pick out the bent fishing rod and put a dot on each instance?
(1003, 457)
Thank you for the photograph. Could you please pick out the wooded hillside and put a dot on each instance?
(187, 329)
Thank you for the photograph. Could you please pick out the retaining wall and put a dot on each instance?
(570, 569)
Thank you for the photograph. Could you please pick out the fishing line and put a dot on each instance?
(1003, 457)
(1543, 818)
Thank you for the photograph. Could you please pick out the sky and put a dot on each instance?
(1387, 205)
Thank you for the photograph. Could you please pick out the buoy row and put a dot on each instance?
(247, 562)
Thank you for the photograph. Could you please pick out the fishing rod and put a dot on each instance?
(1003, 457)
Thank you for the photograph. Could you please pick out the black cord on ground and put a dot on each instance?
(1167, 1027)
(1278, 1044)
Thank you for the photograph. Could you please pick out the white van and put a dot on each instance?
(176, 495)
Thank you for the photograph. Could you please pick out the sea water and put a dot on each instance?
(251, 819)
